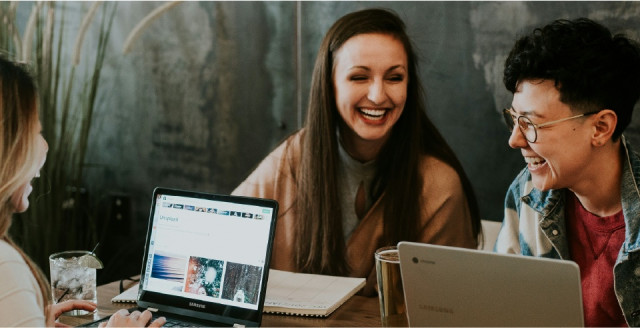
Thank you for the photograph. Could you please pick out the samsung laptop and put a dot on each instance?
(449, 286)
(206, 259)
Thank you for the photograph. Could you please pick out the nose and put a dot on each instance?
(517, 139)
(377, 93)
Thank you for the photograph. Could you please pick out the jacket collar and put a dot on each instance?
(630, 194)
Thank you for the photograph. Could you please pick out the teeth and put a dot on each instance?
(373, 113)
(534, 162)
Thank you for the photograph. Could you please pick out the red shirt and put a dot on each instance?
(594, 243)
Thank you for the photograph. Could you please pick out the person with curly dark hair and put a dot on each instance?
(574, 88)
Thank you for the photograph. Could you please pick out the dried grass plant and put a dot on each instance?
(59, 217)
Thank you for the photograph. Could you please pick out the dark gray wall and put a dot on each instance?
(463, 47)
(211, 87)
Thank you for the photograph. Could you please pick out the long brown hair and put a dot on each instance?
(319, 245)
(18, 150)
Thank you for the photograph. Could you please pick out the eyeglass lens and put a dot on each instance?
(508, 119)
(524, 124)
(527, 128)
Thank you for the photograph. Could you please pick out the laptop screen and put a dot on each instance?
(208, 253)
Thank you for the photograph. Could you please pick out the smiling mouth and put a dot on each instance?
(534, 162)
(372, 114)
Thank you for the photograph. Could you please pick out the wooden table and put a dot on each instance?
(359, 311)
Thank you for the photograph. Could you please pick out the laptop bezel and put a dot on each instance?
(227, 314)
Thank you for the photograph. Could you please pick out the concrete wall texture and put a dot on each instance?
(210, 88)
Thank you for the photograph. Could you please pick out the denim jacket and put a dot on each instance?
(534, 225)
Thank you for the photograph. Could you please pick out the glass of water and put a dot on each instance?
(73, 277)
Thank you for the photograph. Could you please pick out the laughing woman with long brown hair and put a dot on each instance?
(368, 169)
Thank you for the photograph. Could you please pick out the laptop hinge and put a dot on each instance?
(152, 309)
(237, 325)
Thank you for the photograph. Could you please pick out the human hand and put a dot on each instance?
(122, 318)
(55, 310)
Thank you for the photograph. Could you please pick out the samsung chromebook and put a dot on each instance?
(207, 257)
(449, 286)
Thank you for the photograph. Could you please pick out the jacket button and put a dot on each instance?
(554, 232)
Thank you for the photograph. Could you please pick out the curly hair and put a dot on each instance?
(592, 68)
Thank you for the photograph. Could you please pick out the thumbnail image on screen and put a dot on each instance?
(241, 283)
(204, 276)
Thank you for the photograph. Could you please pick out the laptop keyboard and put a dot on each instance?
(169, 323)
(175, 323)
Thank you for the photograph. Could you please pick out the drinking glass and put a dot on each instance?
(72, 279)
(391, 295)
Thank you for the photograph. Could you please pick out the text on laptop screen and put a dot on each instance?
(195, 250)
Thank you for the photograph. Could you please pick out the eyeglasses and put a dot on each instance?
(530, 129)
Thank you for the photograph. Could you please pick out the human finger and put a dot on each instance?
(57, 309)
(134, 315)
(122, 313)
(158, 322)
(145, 316)
(119, 319)
(118, 316)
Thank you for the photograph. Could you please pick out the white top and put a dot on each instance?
(20, 301)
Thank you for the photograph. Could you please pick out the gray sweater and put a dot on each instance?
(351, 173)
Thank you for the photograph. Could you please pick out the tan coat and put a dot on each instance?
(445, 216)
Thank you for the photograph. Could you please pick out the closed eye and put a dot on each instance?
(358, 78)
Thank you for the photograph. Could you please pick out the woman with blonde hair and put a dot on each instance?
(368, 169)
(25, 297)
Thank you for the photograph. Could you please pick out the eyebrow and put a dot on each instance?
(388, 70)
(526, 113)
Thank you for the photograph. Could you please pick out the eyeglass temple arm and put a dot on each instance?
(562, 120)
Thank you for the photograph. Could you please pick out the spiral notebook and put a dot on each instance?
(307, 294)
(294, 293)
(128, 296)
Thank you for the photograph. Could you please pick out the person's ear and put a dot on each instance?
(604, 123)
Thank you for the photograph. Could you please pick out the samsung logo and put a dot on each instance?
(436, 308)
(192, 304)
